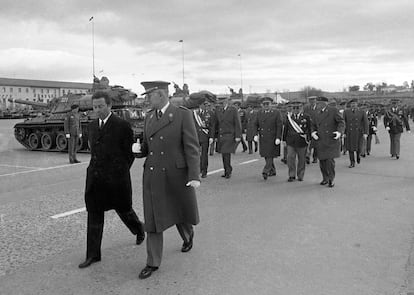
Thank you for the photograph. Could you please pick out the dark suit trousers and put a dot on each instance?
(250, 144)
(395, 144)
(72, 140)
(227, 163)
(294, 169)
(352, 156)
(155, 242)
(204, 157)
(96, 225)
(328, 169)
(369, 141)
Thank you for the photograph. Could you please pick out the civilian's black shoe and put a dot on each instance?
(76, 161)
(89, 261)
(147, 271)
(358, 160)
(363, 155)
(265, 175)
(352, 165)
(323, 182)
(307, 161)
(203, 175)
(226, 175)
(273, 173)
(397, 157)
(331, 183)
(291, 179)
(187, 246)
(140, 238)
(300, 179)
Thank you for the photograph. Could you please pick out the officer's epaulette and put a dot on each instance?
(150, 110)
(184, 108)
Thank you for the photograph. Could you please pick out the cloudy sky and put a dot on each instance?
(266, 45)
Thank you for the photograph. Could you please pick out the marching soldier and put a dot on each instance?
(296, 135)
(327, 127)
(311, 110)
(227, 124)
(251, 130)
(372, 127)
(73, 131)
(394, 122)
(269, 125)
(356, 130)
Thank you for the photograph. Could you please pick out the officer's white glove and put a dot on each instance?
(387, 128)
(277, 141)
(374, 128)
(193, 183)
(210, 140)
(67, 135)
(80, 135)
(365, 136)
(337, 135)
(315, 135)
(136, 147)
(256, 138)
(409, 131)
(237, 139)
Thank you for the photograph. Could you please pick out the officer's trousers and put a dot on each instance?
(327, 169)
(395, 144)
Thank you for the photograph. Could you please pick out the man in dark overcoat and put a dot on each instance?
(251, 129)
(311, 110)
(296, 135)
(171, 173)
(269, 125)
(326, 130)
(372, 127)
(229, 132)
(394, 121)
(356, 130)
(108, 181)
(73, 131)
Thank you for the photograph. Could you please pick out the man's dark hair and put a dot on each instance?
(103, 94)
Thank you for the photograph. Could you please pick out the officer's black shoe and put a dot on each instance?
(203, 175)
(307, 161)
(250, 152)
(76, 161)
(272, 173)
(315, 160)
(147, 271)
(363, 155)
(265, 175)
(358, 160)
(227, 176)
(367, 153)
(89, 261)
(352, 165)
(300, 179)
(291, 179)
(397, 157)
(140, 238)
(187, 246)
(323, 182)
(331, 183)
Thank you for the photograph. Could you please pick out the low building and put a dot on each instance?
(36, 90)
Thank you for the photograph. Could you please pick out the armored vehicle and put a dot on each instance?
(46, 132)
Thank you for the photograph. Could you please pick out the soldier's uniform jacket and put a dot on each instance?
(356, 124)
(71, 124)
(170, 145)
(396, 119)
(325, 124)
(228, 126)
(251, 129)
(269, 125)
(108, 181)
(372, 122)
(290, 135)
(203, 132)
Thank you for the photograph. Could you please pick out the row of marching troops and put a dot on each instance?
(290, 128)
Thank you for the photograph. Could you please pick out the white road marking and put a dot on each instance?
(17, 166)
(64, 214)
(248, 162)
(40, 169)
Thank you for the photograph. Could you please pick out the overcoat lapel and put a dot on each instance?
(156, 124)
(324, 115)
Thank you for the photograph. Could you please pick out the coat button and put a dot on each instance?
(151, 168)
(163, 169)
(150, 138)
(162, 153)
(151, 153)
(161, 137)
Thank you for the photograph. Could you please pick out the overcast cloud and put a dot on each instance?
(283, 44)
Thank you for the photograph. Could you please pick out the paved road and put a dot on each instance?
(255, 237)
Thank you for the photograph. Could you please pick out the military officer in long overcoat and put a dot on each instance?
(229, 132)
(269, 125)
(296, 135)
(251, 129)
(73, 131)
(394, 121)
(108, 181)
(171, 173)
(356, 130)
(327, 128)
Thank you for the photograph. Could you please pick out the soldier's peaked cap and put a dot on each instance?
(296, 103)
(151, 86)
(74, 106)
(353, 100)
(312, 97)
(322, 98)
(266, 98)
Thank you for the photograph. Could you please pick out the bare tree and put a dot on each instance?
(310, 91)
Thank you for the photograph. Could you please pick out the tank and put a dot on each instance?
(45, 132)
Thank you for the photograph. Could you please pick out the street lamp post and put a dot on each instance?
(93, 46)
(182, 51)
(241, 75)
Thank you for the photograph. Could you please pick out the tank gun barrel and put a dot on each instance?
(30, 103)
